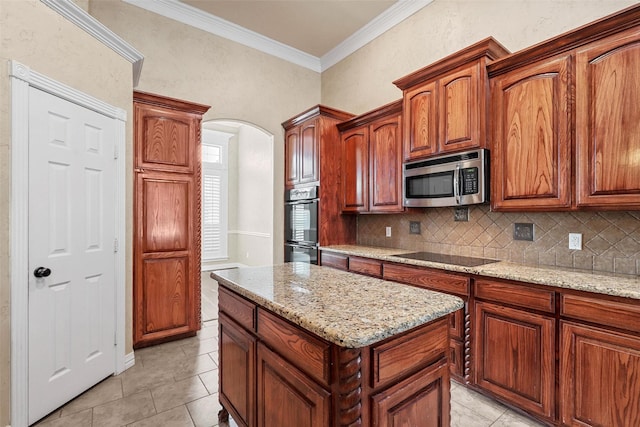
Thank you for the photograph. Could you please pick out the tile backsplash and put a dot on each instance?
(610, 240)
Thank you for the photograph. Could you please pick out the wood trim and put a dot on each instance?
(596, 30)
(488, 48)
(394, 107)
(521, 295)
(171, 103)
(316, 111)
(623, 315)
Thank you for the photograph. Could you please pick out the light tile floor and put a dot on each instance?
(176, 385)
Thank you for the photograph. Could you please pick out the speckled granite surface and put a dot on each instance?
(344, 308)
(583, 280)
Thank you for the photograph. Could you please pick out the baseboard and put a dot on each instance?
(129, 360)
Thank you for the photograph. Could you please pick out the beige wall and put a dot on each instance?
(41, 39)
(238, 82)
(363, 81)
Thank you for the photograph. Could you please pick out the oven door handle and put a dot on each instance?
(456, 184)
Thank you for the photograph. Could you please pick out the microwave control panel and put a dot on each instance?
(470, 181)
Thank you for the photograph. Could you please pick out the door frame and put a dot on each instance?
(21, 79)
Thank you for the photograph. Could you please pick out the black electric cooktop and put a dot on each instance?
(464, 261)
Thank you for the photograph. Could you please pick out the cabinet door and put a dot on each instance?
(420, 400)
(599, 377)
(608, 122)
(165, 292)
(291, 174)
(515, 356)
(287, 397)
(355, 170)
(461, 107)
(420, 127)
(530, 157)
(308, 153)
(237, 371)
(385, 168)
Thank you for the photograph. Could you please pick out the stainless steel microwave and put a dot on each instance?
(453, 180)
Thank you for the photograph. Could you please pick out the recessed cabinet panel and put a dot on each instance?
(291, 156)
(600, 377)
(164, 136)
(355, 165)
(309, 155)
(386, 166)
(531, 150)
(166, 214)
(420, 116)
(608, 122)
(461, 109)
(166, 294)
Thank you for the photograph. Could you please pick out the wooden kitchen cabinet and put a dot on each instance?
(608, 122)
(302, 154)
(372, 161)
(514, 347)
(445, 105)
(166, 226)
(565, 126)
(531, 151)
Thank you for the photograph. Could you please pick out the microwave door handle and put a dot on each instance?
(456, 184)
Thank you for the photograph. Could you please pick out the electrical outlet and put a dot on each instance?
(461, 214)
(575, 241)
(387, 232)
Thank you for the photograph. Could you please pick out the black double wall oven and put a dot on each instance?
(301, 225)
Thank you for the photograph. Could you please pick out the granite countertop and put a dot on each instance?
(347, 309)
(583, 280)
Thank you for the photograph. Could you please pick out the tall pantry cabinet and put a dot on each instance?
(166, 229)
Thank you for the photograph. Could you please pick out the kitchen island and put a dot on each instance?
(302, 345)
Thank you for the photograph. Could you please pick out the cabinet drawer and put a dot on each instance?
(305, 351)
(610, 313)
(238, 308)
(367, 266)
(514, 294)
(410, 352)
(426, 278)
(338, 261)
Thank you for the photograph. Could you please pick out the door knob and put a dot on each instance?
(42, 272)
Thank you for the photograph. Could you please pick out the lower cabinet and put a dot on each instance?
(515, 356)
(600, 377)
(286, 396)
(274, 373)
(238, 373)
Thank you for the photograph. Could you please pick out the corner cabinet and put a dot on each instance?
(372, 161)
(166, 228)
(576, 90)
(446, 104)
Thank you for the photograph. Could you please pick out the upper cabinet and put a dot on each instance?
(445, 105)
(303, 135)
(372, 161)
(565, 128)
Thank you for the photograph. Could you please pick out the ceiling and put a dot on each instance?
(312, 33)
(312, 26)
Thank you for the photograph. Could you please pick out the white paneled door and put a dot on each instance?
(71, 250)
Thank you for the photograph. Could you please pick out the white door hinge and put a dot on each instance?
(115, 151)
(115, 245)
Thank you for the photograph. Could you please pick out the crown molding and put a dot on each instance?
(95, 28)
(388, 19)
(194, 17)
(181, 12)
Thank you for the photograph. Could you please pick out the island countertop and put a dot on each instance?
(347, 309)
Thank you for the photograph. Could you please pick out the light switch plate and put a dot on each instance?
(387, 231)
(575, 241)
